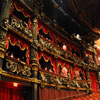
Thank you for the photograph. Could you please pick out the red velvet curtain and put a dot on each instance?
(75, 48)
(20, 8)
(94, 84)
(76, 69)
(45, 29)
(47, 57)
(60, 39)
(16, 41)
(10, 94)
(62, 63)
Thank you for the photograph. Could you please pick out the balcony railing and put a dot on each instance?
(18, 26)
(17, 67)
(51, 79)
(49, 47)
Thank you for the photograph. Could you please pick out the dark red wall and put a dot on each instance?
(53, 94)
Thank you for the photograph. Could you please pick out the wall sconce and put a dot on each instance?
(64, 47)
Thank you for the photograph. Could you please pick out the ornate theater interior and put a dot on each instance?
(49, 50)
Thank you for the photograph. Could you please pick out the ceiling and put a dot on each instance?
(75, 16)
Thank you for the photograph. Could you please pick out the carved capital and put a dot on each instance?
(1, 71)
(2, 53)
(35, 68)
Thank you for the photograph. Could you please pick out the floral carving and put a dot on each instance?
(18, 69)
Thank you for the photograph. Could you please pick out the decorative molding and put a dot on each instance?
(35, 80)
(6, 74)
(2, 53)
(50, 79)
(17, 68)
(18, 28)
(50, 48)
(35, 68)
(1, 71)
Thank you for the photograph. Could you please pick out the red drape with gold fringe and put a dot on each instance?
(46, 57)
(45, 29)
(75, 48)
(62, 63)
(16, 41)
(60, 39)
(20, 8)
(76, 69)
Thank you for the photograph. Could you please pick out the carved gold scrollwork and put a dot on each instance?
(43, 78)
(18, 25)
(12, 66)
(18, 69)
(26, 71)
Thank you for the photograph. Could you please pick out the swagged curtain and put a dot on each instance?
(20, 8)
(76, 69)
(62, 64)
(45, 29)
(46, 57)
(72, 46)
(60, 39)
(10, 38)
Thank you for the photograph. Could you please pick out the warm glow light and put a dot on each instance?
(98, 58)
(64, 47)
(15, 84)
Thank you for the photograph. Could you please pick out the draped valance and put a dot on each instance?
(62, 41)
(21, 9)
(13, 40)
(45, 29)
(76, 70)
(63, 64)
(76, 49)
(46, 57)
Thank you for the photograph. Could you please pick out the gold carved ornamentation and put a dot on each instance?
(35, 68)
(35, 80)
(0, 71)
(1, 53)
(18, 68)
(48, 79)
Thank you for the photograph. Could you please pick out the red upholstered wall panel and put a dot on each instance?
(94, 84)
(53, 94)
